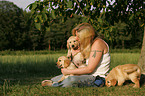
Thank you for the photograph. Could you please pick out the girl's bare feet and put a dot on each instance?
(47, 83)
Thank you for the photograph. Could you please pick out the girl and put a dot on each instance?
(95, 51)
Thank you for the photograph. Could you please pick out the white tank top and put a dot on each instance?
(104, 65)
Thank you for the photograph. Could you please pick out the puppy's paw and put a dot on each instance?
(136, 86)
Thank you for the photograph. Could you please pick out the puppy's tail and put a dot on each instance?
(132, 69)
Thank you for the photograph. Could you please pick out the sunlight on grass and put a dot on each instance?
(21, 75)
(124, 58)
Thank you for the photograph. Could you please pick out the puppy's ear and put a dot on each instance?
(74, 32)
(113, 82)
(69, 53)
(68, 47)
(66, 63)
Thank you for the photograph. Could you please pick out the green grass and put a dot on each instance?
(124, 58)
(21, 75)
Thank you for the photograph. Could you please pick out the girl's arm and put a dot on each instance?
(94, 59)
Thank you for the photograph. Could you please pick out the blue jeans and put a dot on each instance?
(75, 81)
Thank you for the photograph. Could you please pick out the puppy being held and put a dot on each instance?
(74, 52)
(72, 46)
(64, 62)
(122, 73)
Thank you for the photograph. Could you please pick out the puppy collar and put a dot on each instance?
(72, 60)
(74, 64)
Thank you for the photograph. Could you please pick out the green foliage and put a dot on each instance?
(104, 18)
(59, 32)
(41, 10)
(119, 34)
(130, 14)
(49, 23)
(13, 31)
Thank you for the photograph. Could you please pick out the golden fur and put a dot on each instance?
(72, 44)
(124, 72)
(64, 62)
(79, 60)
(74, 52)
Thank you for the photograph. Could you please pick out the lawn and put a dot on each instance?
(21, 75)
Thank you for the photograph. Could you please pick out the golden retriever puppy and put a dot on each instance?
(124, 72)
(74, 53)
(64, 62)
(72, 45)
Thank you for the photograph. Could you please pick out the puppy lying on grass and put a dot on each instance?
(124, 72)
(64, 62)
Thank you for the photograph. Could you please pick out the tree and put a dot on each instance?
(120, 34)
(45, 12)
(12, 28)
(133, 13)
(92, 11)
(130, 13)
(58, 32)
(141, 61)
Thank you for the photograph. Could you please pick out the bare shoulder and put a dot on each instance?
(98, 43)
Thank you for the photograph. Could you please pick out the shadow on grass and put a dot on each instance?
(27, 74)
(22, 79)
(142, 80)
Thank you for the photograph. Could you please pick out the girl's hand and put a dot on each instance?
(64, 71)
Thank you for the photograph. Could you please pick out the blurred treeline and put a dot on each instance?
(18, 32)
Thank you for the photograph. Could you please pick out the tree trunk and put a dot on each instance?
(141, 61)
(49, 45)
(122, 44)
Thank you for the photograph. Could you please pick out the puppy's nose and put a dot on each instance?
(73, 46)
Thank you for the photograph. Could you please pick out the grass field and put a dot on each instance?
(21, 75)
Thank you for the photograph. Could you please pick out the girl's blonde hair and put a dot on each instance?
(86, 34)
